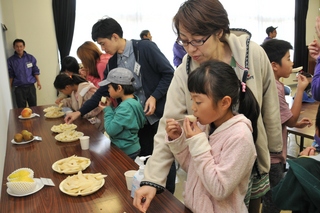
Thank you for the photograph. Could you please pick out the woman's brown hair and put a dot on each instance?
(202, 17)
(89, 54)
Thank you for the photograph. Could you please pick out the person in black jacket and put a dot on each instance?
(152, 72)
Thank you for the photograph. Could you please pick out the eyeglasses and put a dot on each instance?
(195, 43)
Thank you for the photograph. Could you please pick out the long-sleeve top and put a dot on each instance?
(156, 74)
(261, 81)
(101, 66)
(123, 123)
(23, 70)
(77, 99)
(178, 53)
(218, 169)
(315, 84)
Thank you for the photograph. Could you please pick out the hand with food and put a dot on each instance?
(104, 102)
(191, 128)
(70, 117)
(173, 129)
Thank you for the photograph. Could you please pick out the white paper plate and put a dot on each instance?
(22, 142)
(38, 187)
(58, 115)
(32, 116)
(82, 194)
(68, 140)
(56, 169)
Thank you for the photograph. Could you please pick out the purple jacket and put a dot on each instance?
(23, 69)
(315, 85)
(178, 53)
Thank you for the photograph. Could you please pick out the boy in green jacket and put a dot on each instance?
(123, 122)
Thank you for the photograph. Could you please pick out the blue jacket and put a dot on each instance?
(156, 72)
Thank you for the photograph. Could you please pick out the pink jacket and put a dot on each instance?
(84, 93)
(218, 169)
(101, 66)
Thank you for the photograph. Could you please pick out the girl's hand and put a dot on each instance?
(173, 129)
(83, 72)
(58, 101)
(191, 128)
(304, 122)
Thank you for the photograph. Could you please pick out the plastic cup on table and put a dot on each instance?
(129, 176)
(84, 142)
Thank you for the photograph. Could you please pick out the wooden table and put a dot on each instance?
(308, 110)
(107, 159)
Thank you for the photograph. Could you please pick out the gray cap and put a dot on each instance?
(118, 75)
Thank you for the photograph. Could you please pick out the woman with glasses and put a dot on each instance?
(202, 27)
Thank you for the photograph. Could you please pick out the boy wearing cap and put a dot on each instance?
(279, 56)
(271, 32)
(123, 122)
(152, 72)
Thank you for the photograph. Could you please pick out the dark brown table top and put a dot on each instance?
(105, 158)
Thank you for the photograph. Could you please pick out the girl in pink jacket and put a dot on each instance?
(218, 166)
(79, 90)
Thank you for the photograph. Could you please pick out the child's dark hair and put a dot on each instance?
(276, 49)
(127, 89)
(70, 64)
(63, 79)
(217, 79)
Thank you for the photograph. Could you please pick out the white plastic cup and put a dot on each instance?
(84, 142)
(129, 176)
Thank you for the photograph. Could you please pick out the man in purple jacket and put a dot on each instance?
(23, 73)
(178, 53)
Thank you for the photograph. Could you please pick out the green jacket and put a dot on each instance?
(299, 190)
(123, 123)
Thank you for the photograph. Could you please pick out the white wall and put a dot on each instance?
(31, 21)
(313, 12)
(5, 102)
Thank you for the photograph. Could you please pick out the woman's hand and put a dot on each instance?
(143, 197)
(173, 129)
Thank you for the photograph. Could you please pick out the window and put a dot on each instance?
(137, 15)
